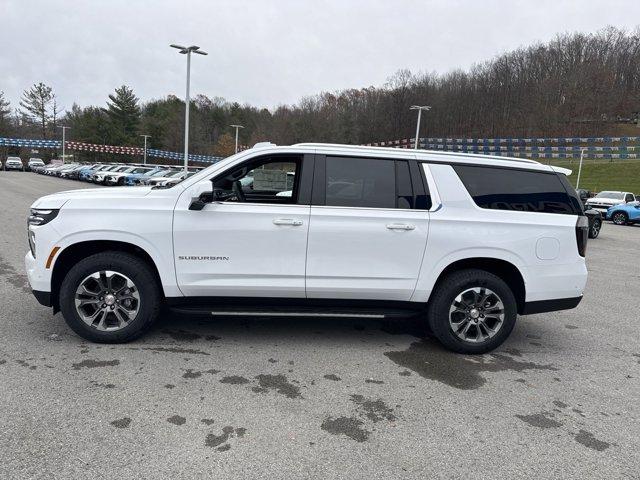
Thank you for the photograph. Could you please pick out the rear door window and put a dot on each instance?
(511, 189)
(360, 182)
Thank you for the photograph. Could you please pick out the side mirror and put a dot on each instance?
(200, 202)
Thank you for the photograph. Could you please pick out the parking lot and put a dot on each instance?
(317, 398)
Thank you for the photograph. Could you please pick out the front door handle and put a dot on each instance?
(400, 226)
(287, 221)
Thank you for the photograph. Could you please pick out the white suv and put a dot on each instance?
(466, 241)
(14, 163)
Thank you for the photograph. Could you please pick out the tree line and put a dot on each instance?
(577, 84)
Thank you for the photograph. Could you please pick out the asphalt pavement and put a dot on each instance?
(318, 398)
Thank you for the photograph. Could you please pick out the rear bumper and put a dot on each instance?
(542, 306)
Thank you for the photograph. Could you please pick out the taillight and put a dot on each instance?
(582, 234)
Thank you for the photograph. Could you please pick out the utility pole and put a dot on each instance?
(64, 141)
(420, 109)
(144, 161)
(236, 127)
(187, 51)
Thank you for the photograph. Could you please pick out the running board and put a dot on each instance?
(293, 312)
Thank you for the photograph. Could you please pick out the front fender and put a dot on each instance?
(163, 260)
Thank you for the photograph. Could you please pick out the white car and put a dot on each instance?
(118, 177)
(35, 162)
(603, 200)
(14, 163)
(466, 242)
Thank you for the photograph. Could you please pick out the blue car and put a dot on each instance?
(624, 214)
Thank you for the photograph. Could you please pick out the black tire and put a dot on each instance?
(620, 218)
(136, 269)
(594, 231)
(443, 297)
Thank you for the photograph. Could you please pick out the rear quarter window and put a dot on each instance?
(498, 188)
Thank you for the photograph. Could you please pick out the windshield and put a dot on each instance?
(140, 170)
(613, 195)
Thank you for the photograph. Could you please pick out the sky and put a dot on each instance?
(268, 53)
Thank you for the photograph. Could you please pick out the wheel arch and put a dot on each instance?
(75, 252)
(503, 269)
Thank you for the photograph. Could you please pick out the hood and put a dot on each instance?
(57, 200)
(604, 201)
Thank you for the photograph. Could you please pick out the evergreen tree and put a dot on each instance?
(123, 113)
(36, 102)
(5, 112)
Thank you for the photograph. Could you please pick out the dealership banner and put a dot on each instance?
(94, 147)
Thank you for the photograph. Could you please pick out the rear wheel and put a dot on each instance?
(472, 311)
(594, 231)
(620, 218)
(110, 297)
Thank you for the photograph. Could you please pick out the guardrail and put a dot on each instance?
(94, 147)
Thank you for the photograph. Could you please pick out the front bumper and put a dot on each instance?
(44, 298)
(36, 275)
(13, 167)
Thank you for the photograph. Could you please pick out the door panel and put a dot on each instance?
(241, 249)
(362, 253)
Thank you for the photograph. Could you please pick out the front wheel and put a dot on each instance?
(620, 218)
(110, 297)
(472, 311)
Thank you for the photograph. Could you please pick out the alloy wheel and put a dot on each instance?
(107, 300)
(476, 315)
(619, 219)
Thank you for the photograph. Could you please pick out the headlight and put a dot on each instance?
(42, 216)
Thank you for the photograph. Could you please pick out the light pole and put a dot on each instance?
(64, 130)
(236, 127)
(420, 109)
(580, 168)
(187, 51)
(144, 161)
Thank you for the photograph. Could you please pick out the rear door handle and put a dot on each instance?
(287, 221)
(400, 226)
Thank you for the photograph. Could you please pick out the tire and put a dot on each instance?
(440, 317)
(594, 231)
(143, 295)
(619, 218)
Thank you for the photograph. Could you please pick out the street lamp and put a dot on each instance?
(236, 127)
(187, 51)
(420, 109)
(144, 162)
(64, 130)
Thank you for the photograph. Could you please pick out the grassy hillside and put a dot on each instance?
(620, 175)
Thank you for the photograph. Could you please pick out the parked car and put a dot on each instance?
(87, 174)
(174, 175)
(624, 214)
(34, 162)
(118, 177)
(101, 175)
(13, 163)
(603, 200)
(595, 222)
(140, 178)
(466, 242)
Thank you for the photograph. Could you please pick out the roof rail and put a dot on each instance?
(430, 152)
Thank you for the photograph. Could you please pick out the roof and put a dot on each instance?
(425, 155)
